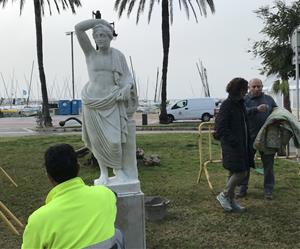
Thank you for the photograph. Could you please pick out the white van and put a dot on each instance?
(187, 109)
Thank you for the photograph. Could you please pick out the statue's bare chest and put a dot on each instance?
(98, 62)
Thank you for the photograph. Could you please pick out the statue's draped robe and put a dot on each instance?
(104, 126)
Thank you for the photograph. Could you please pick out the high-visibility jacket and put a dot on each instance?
(75, 216)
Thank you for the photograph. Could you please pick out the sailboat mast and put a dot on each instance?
(6, 89)
(133, 75)
(157, 74)
(29, 89)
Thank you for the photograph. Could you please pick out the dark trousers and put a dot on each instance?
(269, 178)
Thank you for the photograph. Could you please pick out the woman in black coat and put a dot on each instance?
(232, 131)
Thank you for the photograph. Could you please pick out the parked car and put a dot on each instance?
(190, 109)
(30, 110)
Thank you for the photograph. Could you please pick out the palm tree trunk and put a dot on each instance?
(287, 102)
(163, 117)
(39, 43)
(286, 95)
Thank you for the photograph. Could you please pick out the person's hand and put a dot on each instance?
(262, 108)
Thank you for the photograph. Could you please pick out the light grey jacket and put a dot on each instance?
(277, 131)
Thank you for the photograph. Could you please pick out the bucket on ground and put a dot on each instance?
(144, 118)
(155, 207)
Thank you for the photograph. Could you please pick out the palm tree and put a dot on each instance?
(275, 49)
(167, 17)
(282, 86)
(39, 12)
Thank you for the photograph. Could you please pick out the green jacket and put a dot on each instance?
(279, 127)
(75, 216)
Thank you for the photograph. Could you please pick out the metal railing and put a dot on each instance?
(208, 128)
(5, 214)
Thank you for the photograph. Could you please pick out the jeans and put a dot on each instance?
(234, 179)
(269, 178)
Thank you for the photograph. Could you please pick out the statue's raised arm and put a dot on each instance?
(83, 38)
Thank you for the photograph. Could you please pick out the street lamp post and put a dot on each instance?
(296, 59)
(71, 33)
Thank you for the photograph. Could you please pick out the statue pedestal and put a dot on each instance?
(131, 214)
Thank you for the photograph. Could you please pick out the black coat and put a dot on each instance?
(232, 130)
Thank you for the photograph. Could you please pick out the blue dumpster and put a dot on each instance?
(64, 107)
(76, 105)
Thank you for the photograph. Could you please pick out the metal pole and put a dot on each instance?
(297, 72)
(72, 55)
(296, 40)
(71, 33)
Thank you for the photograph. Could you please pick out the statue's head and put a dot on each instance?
(103, 34)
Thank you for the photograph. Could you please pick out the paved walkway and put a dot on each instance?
(26, 126)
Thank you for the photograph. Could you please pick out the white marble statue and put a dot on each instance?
(109, 101)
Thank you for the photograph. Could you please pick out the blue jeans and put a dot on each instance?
(269, 178)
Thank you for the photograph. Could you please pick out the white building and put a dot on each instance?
(268, 83)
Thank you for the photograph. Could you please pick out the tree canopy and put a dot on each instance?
(167, 17)
(64, 5)
(280, 20)
(275, 49)
(38, 13)
(188, 5)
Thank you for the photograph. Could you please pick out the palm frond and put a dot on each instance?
(199, 7)
(122, 7)
(49, 7)
(130, 7)
(140, 10)
(116, 6)
(203, 6)
(56, 5)
(22, 2)
(281, 86)
(179, 3)
(150, 10)
(3, 2)
(211, 5)
(73, 4)
(285, 89)
(42, 7)
(276, 87)
(63, 4)
(186, 8)
(193, 10)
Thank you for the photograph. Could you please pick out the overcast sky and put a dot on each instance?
(220, 41)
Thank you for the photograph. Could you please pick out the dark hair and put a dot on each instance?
(61, 162)
(236, 85)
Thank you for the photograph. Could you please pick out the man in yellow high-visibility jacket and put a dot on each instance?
(75, 215)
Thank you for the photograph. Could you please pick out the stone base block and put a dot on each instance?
(130, 187)
(131, 219)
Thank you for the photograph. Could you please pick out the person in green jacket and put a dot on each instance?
(75, 215)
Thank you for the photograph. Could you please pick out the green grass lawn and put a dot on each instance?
(194, 218)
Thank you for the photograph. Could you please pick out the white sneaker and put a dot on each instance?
(224, 202)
